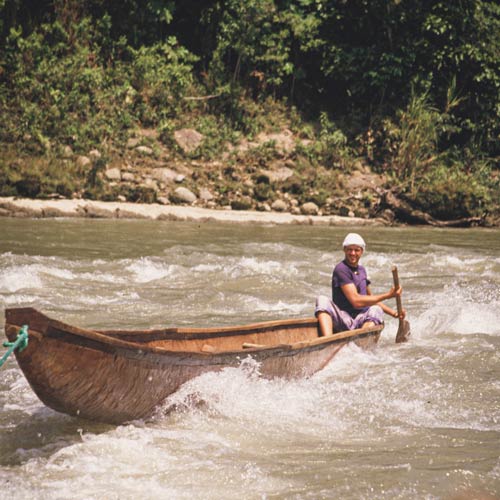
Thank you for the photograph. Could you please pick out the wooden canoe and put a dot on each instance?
(116, 376)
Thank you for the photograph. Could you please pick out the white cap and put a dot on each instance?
(354, 239)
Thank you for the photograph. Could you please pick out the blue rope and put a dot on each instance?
(20, 343)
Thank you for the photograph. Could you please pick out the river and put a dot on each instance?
(416, 420)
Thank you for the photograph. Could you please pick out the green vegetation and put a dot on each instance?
(409, 89)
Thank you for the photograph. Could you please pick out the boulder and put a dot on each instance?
(128, 177)
(95, 154)
(67, 152)
(113, 174)
(188, 139)
(150, 183)
(183, 195)
(163, 200)
(133, 142)
(309, 208)
(263, 207)
(206, 195)
(284, 140)
(165, 175)
(279, 175)
(279, 206)
(83, 161)
(144, 150)
(364, 181)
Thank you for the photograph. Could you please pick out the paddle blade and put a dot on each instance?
(403, 332)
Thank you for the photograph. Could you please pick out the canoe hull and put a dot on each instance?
(100, 376)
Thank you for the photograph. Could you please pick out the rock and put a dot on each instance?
(83, 161)
(262, 207)
(144, 150)
(284, 141)
(278, 175)
(164, 174)
(361, 212)
(388, 215)
(163, 200)
(279, 206)
(309, 208)
(150, 183)
(67, 152)
(188, 139)
(113, 174)
(128, 177)
(359, 180)
(206, 195)
(183, 195)
(151, 133)
(95, 212)
(94, 154)
(245, 146)
(133, 142)
(179, 178)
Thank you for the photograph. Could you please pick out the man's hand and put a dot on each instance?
(395, 292)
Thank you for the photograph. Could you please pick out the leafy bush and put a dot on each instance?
(330, 147)
(58, 88)
(448, 192)
(38, 178)
(414, 142)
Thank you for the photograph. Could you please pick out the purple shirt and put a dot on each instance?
(343, 274)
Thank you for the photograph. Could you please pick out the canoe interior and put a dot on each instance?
(221, 339)
(258, 336)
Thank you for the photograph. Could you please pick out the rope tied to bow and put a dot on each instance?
(20, 344)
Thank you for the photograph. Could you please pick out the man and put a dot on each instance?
(353, 305)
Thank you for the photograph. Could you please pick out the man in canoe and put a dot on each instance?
(352, 304)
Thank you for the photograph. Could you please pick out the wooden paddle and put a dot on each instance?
(404, 326)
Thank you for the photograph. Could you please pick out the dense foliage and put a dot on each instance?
(411, 85)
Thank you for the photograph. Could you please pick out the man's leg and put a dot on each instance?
(373, 316)
(325, 324)
(330, 317)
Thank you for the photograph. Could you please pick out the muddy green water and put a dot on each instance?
(420, 420)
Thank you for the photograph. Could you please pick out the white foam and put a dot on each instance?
(22, 277)
(146, 270)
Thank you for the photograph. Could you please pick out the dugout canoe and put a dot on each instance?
(116, 376)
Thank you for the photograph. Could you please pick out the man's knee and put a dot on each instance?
(375, 314)
(323, 304)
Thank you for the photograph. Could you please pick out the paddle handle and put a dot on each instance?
(395, 277)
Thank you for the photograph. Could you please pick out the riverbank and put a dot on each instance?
(23, 207)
